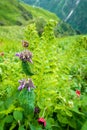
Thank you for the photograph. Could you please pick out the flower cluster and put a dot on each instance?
(25, 56)
(78, 93)
(36, 110)
(42, 121)
(1, 53)
(26, 84)
(25, 43)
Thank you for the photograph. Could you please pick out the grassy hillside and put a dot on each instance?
(62, 8)
(18, 13)
(15, 13)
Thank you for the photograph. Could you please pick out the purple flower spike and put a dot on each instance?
(36, 110)
(30, 61)
(31, 83)
(28, 88)
(25, 56)
(20, 87)
(17, 54)
(22, 84)
(26, 84)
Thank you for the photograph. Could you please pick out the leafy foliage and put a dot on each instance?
(58, 70)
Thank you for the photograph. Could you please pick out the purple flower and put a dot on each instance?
(25, 56)
(29, 88)
(36, 110)
(26, 84)
(17, 54)
(22, 84)
(20, 87)
(29, 84)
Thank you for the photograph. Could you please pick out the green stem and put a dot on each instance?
(44, 111)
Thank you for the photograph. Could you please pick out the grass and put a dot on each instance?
(39, 12)
(12, 32)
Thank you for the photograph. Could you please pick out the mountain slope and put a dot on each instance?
(19, 13)
(16, 13)
(71, 11)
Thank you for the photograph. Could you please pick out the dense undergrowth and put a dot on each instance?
(59, 72)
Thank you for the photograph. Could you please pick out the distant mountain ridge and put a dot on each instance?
(73, 12)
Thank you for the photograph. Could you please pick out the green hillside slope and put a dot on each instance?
(16, 13)
(76, 9)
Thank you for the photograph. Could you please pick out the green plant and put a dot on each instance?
(59, 74)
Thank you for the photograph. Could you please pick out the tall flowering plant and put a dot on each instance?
(26, 90)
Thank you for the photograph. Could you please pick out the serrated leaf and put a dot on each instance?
(9, 110)
(18, 115)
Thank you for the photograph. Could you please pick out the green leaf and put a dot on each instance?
(68, 113)
(9, 119)
(62, 119)
(2, 125)
(9, 110)
(13, 125)
(32, 127)
(84, 127)
(18, 115)
(0, 71)
(21, 128)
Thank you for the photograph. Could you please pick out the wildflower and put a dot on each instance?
(1, 53)
(26, 84)
(36, 110)
(25, 56)
(22, 84)
(25, 43)
(30, 84)
(42, 121)
(78, 93)
(18, 54)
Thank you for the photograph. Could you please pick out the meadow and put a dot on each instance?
(56, 99)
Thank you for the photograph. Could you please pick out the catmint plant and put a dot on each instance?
(25, 56)
(26, 84)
